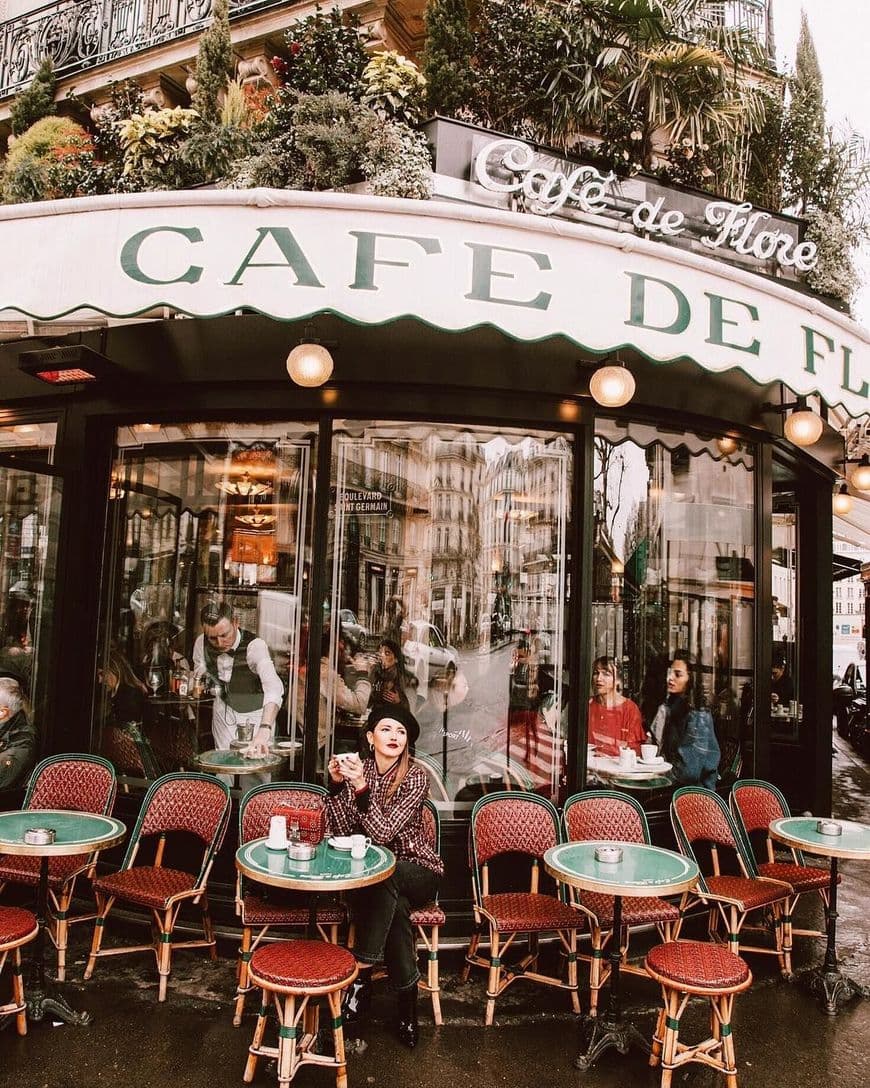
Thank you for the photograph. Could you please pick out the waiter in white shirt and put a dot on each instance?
(240, 667)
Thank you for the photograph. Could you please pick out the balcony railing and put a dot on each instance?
(80, 35)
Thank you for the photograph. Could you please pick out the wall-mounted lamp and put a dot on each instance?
(860, 478)
(310, 363)
(842, 500)
(804, 426)
(612, 385)
(727, 444)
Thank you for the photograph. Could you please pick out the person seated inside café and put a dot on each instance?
(18, 741)
(683, 728)
(614, 720)
(781, 684)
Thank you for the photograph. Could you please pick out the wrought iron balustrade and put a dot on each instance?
(81, 34)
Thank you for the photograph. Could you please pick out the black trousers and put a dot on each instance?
(381, 913)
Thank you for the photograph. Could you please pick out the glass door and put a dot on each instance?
(30, 495)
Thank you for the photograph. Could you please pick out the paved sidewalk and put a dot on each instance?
(782, 1037)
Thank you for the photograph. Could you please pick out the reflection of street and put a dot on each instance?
(474, 725)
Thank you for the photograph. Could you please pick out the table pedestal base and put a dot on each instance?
(600, 1033)
(53, 1006)
(834, 989)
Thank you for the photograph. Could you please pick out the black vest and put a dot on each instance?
(243, 692)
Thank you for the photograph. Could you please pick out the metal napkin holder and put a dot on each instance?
(40, 836)
(829, 827)
(608, 855)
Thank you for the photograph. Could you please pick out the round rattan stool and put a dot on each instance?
(290, 974)
(707, 970)
(17, 927)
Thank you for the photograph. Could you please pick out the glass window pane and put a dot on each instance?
(207, 513)
(448, 545)
(673, 571)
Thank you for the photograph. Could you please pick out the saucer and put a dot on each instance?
(657, 762)
(339, 846)
(277, 849)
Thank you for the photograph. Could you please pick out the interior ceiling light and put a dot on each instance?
(727, 444)
(860, 478)
(842, 501)
(612, 385)
(243, 485)
(257, 521)
(310, 363)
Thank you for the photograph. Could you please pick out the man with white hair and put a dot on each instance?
(17, 731)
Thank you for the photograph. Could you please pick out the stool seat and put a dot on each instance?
(698, 965)
(294, 965)
(17, 926)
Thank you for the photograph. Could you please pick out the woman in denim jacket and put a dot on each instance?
(685, 732)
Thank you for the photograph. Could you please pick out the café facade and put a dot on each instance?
(453, 484)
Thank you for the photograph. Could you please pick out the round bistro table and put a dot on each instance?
(228, 761)
(330, 870)
(828, 981)
(640, 777)
(644, 870)
(75, 833)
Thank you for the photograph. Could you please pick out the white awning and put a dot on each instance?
(372, 260)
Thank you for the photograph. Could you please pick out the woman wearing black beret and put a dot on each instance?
(382, 797)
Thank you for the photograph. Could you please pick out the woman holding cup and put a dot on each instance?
(614, 720)
(382, 797)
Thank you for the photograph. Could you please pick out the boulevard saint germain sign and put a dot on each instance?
(290, 254)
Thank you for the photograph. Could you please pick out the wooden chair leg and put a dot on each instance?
(733, 931)
(334, 1000)
(469, 955)
(655, 1055)
(572, 970)
(208, 927)
(595, 960)
(434, 978)
(244, 975)
(787, 938)
(671, 1035)
(287, 1042)
(725, 1006)
(164, 951)
(494, 980)
(104, 905)
(18, 993)
(257, 1041)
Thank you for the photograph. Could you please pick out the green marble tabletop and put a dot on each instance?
(801, 831)
(644, 870)
(328, 870)
(75, 832)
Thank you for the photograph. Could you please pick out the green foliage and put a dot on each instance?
(396, 162)
(151, 143)
(214, 63)
(807, 169)
(35, 101)
(835, 273)
(35, 166)
(765, 154)
(447, 56)
(687, 164)
(330, 132)
(393, 87)
(325, 52)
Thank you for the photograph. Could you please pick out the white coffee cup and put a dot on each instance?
(277, 832)
(648, 752)
(359, 844)
(627, 757)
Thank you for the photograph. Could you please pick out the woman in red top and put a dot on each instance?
(613, 719)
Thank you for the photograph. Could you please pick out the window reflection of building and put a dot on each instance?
(674, 565)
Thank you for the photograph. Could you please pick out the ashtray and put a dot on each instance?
(608, 855)
(301, 851)
(829, 827)
(239, 745)
(40, 836)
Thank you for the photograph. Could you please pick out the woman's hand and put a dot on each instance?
(334, 768)
(352, 770)
(391, 696)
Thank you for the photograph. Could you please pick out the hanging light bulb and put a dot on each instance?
(309, 364)
(860, 478)
(803, 427)
(612, 386)
(842, 501)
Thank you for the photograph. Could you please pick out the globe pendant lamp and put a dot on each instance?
(803, 427)
(612, 386)
(309, 364)
(842, 501)
(860, 478)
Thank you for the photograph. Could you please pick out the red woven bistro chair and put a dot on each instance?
(261, 909)
(684, 969)
(198, 805)
(17, 927)
(754, 805)
(528, 825)
(701, 817)
(77, 783)
(291, 974)
(590, 816)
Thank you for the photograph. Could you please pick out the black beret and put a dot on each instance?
(395, 713)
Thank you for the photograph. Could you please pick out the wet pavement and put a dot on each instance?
(782, 1036)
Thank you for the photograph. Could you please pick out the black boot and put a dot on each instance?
(407, 1026)
(356, 1001)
